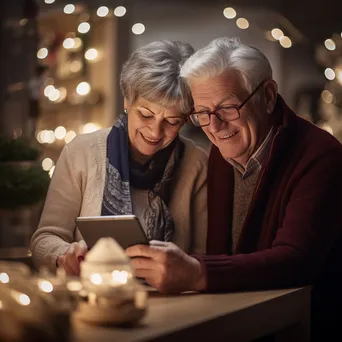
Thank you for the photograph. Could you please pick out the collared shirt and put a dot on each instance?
(255, 161)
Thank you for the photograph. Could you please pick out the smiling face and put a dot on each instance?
(238, 139)
(151, 127)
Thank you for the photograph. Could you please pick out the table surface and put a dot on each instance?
(240, 316)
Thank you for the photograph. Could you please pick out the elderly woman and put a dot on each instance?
(139, 166)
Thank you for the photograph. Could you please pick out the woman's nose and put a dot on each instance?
(156, 129)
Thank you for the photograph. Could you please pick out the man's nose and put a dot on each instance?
(214, 124)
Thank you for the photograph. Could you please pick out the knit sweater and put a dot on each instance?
(76, 189)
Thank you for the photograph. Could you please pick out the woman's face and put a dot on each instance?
(151, 127)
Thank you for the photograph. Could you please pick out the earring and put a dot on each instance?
(125, 111)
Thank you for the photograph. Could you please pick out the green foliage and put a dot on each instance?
(17, 150)
(22, 180)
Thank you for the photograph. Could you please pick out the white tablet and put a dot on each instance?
(125, 229)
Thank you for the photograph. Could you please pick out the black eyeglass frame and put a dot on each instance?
(228, 107)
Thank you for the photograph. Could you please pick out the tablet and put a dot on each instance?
(125, 229)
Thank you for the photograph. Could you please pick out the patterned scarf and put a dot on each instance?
(122, 173)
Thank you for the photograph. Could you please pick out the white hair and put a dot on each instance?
(226, 54)
(153, 72)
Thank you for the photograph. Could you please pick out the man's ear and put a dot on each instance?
(271, 92)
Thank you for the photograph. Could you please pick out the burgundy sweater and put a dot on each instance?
(292, 234)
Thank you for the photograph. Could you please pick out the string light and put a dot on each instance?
(102, 11)
(229, 13)
(91, 54)
(277, 33)
(49, 2)
(83, 27)
(47, 164)
(120, 11)
(138, 28)
(330, 44)
(42, 53)
(242, 23)
(285, 42)
(83, 88)
(69, 9)
(329, 74)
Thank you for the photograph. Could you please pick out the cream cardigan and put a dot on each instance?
(76, 189)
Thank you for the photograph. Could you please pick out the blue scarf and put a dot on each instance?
(117, 196)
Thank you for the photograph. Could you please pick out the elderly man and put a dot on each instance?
(274, 189)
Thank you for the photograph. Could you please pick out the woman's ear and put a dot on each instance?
(126, 105)
(271, 93)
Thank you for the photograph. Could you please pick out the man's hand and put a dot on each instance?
(166, 267)
(71, 259)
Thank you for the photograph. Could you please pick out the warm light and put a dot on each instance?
(60, 132)
(119, 277)
(90, 127)
(277, 33)
(49, 1)
(327, 96)
(242, 23)
(83, 27)
(52, 170)
(1, 305)
(62, 94)
(91, 54)
(328, 128)
(338, 73)
(229, 13)
(77, 42)
(83, 88)
(285, 42)
(96, 278)
(330, 44)
(329, 74)
(47, 136)
(138, 28)
(24, 299)
(46, 286)
(69, 9)
(102, 11)
(120, 11)
(47, 164)
(4, 278)
(69, 136)
(75, 66)
(48, 90)
(23, 22)
(69, 43)
(74, 285)
(54, 95)
(42, 53)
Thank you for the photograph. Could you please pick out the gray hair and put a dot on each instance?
(153, 73)
(225, 54)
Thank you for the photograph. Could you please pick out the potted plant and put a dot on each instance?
(23, 186)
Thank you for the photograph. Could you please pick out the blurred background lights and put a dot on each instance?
(330, 44)
(329, 74)
(4, 278)
(49, 1)
(229, 13)
(90, 127)
(138, 28)
(277, 33)
(42, 53)
(242, 23)
(91, 54)
(68, 43)
(47, 164)
(338, 73)
(285, 42)
(328, 128)
(75, 66)
(69, 9)
(48, 90)
(102, 11)
(77, 42)
(54, 95)
(24, 299)
(327, 96)
(120, 11)
(46, 286)
(83, 88)
(60, 132)
(69, 136)
(83, 27)
(52, 171)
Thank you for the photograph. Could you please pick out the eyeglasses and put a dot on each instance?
(224, 114)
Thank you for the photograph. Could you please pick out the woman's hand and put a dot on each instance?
(72, 258)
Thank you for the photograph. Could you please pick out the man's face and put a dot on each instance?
(237, 139)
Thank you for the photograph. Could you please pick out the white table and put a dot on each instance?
(241, 316)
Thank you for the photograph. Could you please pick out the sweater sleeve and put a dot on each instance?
(62, 206)
(307, 232)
